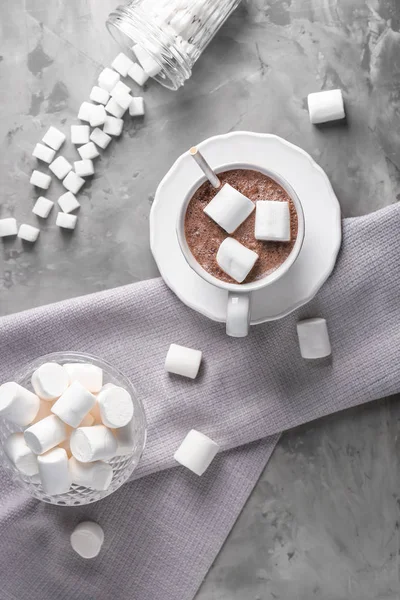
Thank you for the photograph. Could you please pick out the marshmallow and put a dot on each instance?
(96, 475)
(326, 106)
(98, 116)
(313, 338)
(44, 153)
(18, 404)
(67, 202)
(183, 361)
(89, 376)
(74, 404)
(272, 221)
(8, 227)
(87, 539)
(100, 138)
(88, 151)
(235, 259)
(46, 434)
(66, 221)
(120, 88)
(116, 408)
(137, 74)
(99, 95)
(20, 455)
(80, 133)
(54, 138)
(125, 437)
(229, 208)
(123, 100)
(84, 168)
(42, 207)
(73, 182)
(115, 109)
(150, 66)
(108, 79)
(40, 180)
(28, 233)
(44, 411)
(136, 107)
(60, 167)
(93, 443)
(113, 126)
(85, 111)
(49, 381)
(196, 452)
(54, 472)
(122, 64)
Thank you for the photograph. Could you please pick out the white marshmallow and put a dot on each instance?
(137, 74)
(49, 381)
(229, 208)
(96, 475)
(120, 88)
(8, 227)
(136, 107)
(100, 138)
(18, 404)
(116, 408)
(115, 109)
(123, 100)
(326, 106)
(67, 202)
(74, 404)
(108, 79)
(88, 151)
(93, 443)
(313, 338)
(122, 64)
(85, 111)
(150, 66)
(28, 233)
(46, 434)
(89, 376)
(60, 167)
(96, 409)
(272, 221)
(80, 133)
(99, 95)
(87, 539)
(66, 221)
(125, 439)
(54, 138)
(183, 361)
(84, 168)
(235, 259)
(196, 452)
(41, 180)
(73, 182)
(54, 472)
(44, 411)
(44, 153)
(42, 207)
(98, 116)
(20, 455)
(113, 126)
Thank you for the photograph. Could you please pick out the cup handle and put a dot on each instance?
(238, 315)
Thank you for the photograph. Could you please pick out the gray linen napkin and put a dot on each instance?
(164, 530)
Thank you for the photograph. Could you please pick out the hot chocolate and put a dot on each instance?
(204, 236)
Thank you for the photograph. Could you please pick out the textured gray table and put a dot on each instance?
(323, 520)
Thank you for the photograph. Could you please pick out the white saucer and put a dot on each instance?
(322, 218)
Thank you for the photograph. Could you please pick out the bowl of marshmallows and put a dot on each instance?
(72, 428)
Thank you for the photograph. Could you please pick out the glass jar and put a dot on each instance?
(169, 34)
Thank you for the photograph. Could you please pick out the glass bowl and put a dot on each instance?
(123, 466)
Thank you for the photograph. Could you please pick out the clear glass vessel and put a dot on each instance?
(173, 33)
(123, 466)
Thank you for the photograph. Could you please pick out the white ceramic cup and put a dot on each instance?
(238, 315)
